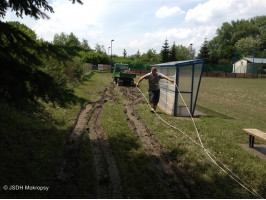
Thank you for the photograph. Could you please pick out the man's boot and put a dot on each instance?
(152, 107)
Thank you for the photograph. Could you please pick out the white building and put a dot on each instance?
(245, 66)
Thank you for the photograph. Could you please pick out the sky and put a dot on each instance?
(141, 24)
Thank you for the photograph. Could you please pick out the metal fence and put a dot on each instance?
(232, 75)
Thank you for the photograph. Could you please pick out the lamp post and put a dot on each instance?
(111, 52)
(108, 50)
(191, 55)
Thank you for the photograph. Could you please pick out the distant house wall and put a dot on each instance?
(104, 67)
(240, 66)
(245, 65)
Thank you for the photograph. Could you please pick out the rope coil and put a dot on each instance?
(225, 169)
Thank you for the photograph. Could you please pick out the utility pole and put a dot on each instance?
(111, 52)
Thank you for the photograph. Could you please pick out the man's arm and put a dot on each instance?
(141, 78)
(167, 78)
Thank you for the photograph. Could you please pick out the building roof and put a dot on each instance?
(256, 60)
(183, 62)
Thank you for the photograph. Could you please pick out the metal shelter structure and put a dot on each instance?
(187, 75)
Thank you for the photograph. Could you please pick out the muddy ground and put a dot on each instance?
(107, 174)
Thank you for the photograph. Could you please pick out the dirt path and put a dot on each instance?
(65, 173)
(166, 165)
(107, 174)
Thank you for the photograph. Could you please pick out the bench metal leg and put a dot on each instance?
(251, 141)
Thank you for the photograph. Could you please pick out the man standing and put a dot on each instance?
(154, 87)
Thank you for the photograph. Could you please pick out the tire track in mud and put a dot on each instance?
(65, 173)
(166, 165)
(107, 173)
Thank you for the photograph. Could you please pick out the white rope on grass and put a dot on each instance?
(225, 169)
(168, 123)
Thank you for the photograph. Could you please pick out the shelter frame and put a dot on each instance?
(182, 68)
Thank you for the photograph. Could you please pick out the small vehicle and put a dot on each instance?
(122, 75)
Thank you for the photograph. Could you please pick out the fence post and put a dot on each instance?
(176, 91)
(192, 87)
(253, 64)
(235, 63)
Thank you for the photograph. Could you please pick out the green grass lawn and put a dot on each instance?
(31, 143)
(230, 105)
(240, 99)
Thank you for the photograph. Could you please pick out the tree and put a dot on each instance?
(151, 56)
(60, 39)
(204, 50)
(85, 45)
(138, 54)
(73, 41)
(100, 48)
(247, 45)
(165, 51)
(222, 46)
(22, 79)
(260, 21)
(23, 28)
(66, 40)
(94, 57)
(183, 53)
(124, 53)
(173, 53)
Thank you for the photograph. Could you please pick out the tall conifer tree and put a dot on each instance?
(165, 51)
(204, 50)
(173, 53)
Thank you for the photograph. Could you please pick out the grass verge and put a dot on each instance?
(31, 143)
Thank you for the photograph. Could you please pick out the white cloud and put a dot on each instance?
(181, 36)
(167, 12)
(83, 20)
(138, 43)
(181, 33)
(216, 12)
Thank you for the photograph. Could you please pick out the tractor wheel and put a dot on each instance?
(119, 82)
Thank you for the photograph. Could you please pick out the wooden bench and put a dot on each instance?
(254, 133)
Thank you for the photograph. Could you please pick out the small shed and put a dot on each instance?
(245, 66)
(187, 75)
(104, 67)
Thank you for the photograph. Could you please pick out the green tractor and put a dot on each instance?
(122, 75)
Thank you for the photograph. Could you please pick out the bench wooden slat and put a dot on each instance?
(256, 133)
